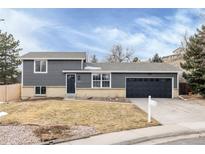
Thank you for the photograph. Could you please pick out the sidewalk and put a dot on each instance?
(140, 135)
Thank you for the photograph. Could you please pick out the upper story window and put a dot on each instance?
(101, 80)
(40, 66)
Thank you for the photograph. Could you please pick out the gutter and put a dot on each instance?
(117, 71)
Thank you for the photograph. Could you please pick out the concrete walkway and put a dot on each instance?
(141, 135)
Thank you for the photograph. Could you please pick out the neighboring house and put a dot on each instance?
(67, 74)
(175, 59)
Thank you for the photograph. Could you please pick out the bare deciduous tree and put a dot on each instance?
(118, 54)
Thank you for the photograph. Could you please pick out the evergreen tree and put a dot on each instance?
(9, 58)
(135, 60)
(94, 59)
(156, 59)
(194, 64)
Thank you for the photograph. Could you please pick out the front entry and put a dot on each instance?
(70, 84)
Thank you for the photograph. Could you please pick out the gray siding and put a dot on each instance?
(54, 77)
(85, 80)
(118, 79)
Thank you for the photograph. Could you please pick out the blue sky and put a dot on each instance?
(146, 31)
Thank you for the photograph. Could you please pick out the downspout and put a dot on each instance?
(21, 92)
(81, 64)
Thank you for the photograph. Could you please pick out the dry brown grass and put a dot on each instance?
(105, 117)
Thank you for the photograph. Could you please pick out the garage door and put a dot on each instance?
(143, 87)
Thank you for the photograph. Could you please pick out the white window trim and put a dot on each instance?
(34, 67)
(100, 80)
(97, 80)
(105, 80)
(40, 91)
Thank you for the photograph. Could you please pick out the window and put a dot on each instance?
(101, 80)
(40, 66)
(96, 80)
(105, 80)
(40, 90)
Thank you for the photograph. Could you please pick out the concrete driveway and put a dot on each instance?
(173, 111)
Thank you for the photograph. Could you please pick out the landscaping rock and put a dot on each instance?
(18, 135)
(34, 134)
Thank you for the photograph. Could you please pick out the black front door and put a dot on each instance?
(70, 84)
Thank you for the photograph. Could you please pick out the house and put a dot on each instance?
(175, 59)
(67, 74)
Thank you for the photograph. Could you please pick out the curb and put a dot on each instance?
(161, 136)
(57, 141)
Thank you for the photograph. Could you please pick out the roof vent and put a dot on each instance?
(92, 68)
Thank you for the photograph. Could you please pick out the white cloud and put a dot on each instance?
(134, 40)
(154, 34)
(112, 36)
(151, 33)
(110, 33)
(170, 32)
(23, 27)
(149, 21)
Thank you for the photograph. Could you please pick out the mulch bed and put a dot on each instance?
(49, 133)
(192, 97)
(106, 99)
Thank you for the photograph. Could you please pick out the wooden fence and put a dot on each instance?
(184, 89)
(10, 92)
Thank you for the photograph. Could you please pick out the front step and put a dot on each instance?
(69, 97)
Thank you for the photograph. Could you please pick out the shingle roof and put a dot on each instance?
(55, 55)
(143, 66)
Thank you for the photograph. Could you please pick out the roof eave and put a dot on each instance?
(118, 71)
(52, 58)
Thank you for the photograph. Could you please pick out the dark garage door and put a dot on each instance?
(143, 87)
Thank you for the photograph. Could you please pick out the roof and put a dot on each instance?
(128, 67)
(178, 50)
(54, 55)
(134, 66)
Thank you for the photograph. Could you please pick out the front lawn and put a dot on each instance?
(104, 117)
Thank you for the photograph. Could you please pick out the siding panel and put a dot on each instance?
(85, 80)
(54, 77)
(118, 79)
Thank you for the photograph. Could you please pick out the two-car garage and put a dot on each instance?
(143, 87)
